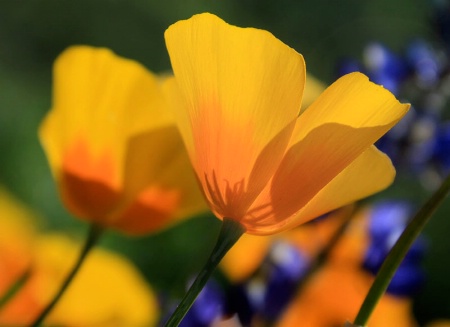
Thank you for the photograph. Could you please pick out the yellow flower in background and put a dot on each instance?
(311, 238)
(257, 160)
(334, 295)
(108, 291)
(112, 144)
(17, 240)
(334, 291)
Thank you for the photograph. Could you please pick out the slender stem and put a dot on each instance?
(15, 287)
(93, 236)
(399, 251)
(229, 234)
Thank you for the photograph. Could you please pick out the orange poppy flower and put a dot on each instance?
(333, 296)
(112, 144)
(258, 161)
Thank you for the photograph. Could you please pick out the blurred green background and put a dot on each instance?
(34, 32)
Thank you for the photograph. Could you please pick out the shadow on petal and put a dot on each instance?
(312, 163)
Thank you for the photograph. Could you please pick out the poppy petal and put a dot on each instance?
(103, 98)
(370, 173)
(160, 184)
(353, 101)
(242, 90)
(307, 168)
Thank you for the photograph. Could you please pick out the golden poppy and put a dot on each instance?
(113, 146)
(259, 161)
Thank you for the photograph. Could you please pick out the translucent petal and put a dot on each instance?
(160, 184)
(370, 173)
(242, 90)
(353, 101)
(310, 166)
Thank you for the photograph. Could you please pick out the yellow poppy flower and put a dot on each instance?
(112, 144)
(17, 234)
(108, 291)
(258, 161)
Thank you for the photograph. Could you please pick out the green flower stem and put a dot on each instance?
(229, 234)
(399, 251)
(93, 236)
(15, 287)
